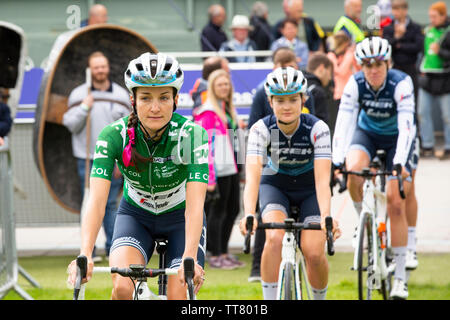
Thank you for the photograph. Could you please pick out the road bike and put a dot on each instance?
(138, 274)
(292, 273)
(373, 257)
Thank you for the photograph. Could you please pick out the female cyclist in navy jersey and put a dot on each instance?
(377, 112)
(297, 173)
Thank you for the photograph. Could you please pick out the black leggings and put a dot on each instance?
(222, 213)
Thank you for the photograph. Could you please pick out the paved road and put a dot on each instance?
(433, 228)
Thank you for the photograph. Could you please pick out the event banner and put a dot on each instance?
(245, 77)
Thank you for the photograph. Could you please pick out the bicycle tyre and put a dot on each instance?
(288, 283)
(389, 258)
(365, 258)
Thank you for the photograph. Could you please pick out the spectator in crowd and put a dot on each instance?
(261, 33)
(385, 7)
(341, 53)
(240, 27)
(199, 91)
(282, 57)
(4, 95)
(406, 39)
(319, 73)
(309, 31)
(435, 81)
(289, 28)
(212, 35)
(351, 21)
(106, 102)
(97, 14)
(5, 116)
(218, 116)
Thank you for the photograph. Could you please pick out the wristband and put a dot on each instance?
(84, 107)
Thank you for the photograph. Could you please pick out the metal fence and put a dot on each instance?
(9, 267)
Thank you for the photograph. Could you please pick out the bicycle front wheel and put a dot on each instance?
(365, 258)
(288, 291)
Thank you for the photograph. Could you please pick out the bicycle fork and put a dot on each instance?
(288, 255)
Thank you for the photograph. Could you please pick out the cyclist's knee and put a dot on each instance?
(394, 206)
(175, 291)
(122, 288)
(274, 239)
(314, 258)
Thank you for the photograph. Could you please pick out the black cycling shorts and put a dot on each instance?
(137, 228)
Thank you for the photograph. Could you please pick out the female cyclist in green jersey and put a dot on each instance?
(164, 160)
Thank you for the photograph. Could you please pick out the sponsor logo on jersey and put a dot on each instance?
(378, 104)
(321, 135)
(378, 114)
(201, 154)
(101, 150)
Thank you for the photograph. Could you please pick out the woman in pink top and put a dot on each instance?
(341, 55)
(218, 116)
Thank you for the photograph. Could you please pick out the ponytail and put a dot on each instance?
(130, 156)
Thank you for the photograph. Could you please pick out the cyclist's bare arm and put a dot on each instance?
(253, 171)
(91, 223)
(322, 168)
(195, 198)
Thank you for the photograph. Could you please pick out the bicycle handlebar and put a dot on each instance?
(249, 226)
(367, 174)
(189, 271)
(289, 224)
(135, 271)
(81, 273)
(139, 271)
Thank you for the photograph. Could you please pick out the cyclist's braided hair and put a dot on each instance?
(136, 158)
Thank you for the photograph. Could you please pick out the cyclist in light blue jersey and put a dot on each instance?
(377, 112)
(297, 173)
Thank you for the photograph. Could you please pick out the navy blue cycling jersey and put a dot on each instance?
(387, 112)
(379, 109)
(291, 155)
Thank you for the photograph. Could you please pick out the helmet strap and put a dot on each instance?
(152, 138)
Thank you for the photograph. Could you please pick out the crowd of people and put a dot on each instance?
(426, 62)
(331, 63)
(321, 82)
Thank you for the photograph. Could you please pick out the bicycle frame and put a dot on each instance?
(373, 200)
(289, 250)
(289, 255)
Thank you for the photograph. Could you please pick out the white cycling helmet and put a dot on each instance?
(373, 49)
(285, 81)
(154, 70)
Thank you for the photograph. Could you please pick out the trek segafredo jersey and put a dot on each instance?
(291, 155)
(387, 112)
(179, 157)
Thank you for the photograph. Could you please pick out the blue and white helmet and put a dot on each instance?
(373, 49)
(285, 81)
(154, 70)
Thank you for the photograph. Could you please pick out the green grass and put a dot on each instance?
(431, 281)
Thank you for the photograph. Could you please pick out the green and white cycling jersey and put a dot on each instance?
(158, 186)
